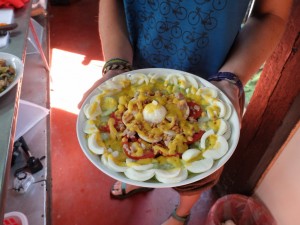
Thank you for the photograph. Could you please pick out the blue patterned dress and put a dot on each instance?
(189, 35)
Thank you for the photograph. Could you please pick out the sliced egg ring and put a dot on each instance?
(228, 111)
(227, 134)
(139, 167)
(212, 112)
(121, 80)
(149, 139)
(114, 166)
(90, 127)
(183, 175)
(204, 137)
(222, 127)
(110, 85)
(139, 175)
(168, 173)
(192, 81)
(93, 143)
(156, 77)
(104, 160)
(219, 149)
(190, 154)
(92, 110)
(208, 93)
(200, 166)
(138, 78)
(176, 79)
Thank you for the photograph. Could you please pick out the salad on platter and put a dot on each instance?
(161, 126)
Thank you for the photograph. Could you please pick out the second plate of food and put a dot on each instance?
(11, 70)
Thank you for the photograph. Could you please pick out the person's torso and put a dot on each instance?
(189, 35)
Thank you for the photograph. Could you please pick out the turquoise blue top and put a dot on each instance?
(189, 35)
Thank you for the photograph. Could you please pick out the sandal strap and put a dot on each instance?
(123, 186)
(182, 219)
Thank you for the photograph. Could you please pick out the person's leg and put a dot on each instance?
(186, 203)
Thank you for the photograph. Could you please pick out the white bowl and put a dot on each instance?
(95, 159)
(17, 63)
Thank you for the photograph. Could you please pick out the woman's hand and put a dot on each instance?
(232, 92)
(108, 75)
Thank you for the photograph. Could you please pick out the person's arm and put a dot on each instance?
(113, 31)
(255, 42)
(114, 38)
(258, 38)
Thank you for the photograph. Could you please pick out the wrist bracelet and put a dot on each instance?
(230, 77)
(116, 64)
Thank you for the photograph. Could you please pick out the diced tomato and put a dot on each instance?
(196, 137)
(104, 129)
(147, 153)
(118, 122)
(195, 110)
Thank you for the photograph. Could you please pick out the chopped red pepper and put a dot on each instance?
(195, 110)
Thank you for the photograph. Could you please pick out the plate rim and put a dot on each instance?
(18, 66)
(120, 176)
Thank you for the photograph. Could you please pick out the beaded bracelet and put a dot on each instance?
(230, 77)
(116, 64)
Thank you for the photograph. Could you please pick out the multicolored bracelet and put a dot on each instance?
(116, 64)
(230, 77)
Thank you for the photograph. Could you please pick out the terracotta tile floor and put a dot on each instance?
(80, 192)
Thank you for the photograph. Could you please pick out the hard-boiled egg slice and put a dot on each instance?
(228, 111)
(204, 137)
(176, 79)
(90, 127)
(208, 92)
(110, 85)
(93, 143)
(227, 134)
(216, 109)
(111, 161)
(138, 78)
(200, 166)
(168, 173)
(169, 180)
(104, 160)
(190, 154)
(142, 167)
(192, 81)
(157, 76)
(219, 149)
(119, 78)
(92, 110)
(138, 166)
(222, 127)
(149, 139)
(139, 175)
(154, 112)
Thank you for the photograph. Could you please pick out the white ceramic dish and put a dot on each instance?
(95, 159)
(17, 63)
